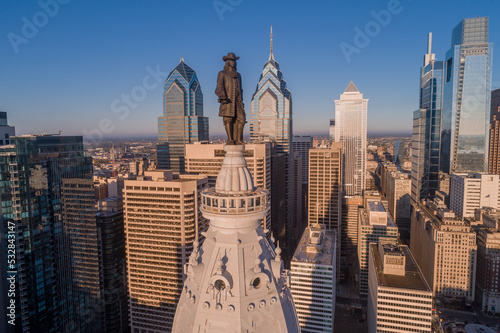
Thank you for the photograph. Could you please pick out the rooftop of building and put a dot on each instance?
(324, 252)
(376, 206)
(375, 214)
(412, 279)
(440, 215)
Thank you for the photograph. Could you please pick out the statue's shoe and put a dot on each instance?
(239, 142)
(230, 142)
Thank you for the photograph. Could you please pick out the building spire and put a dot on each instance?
(429, 43)
(271, 56)
(182, 59)
(429, 57)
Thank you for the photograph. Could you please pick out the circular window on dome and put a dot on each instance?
(219, 285)
(256, 283)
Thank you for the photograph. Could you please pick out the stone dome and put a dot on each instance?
(234, 177)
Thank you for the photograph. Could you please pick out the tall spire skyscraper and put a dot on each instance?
(427, 128)
(350, 129)
(271, 120)
(182, 121)
(466, 98)
(271, 106)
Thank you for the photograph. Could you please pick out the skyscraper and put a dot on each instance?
(427, 128)
(271, 107)
(494, 145)
(374, 224)
(325, 186)
(47, 201)
(182, 121)
(113, 263)
(162, 220)
(271, 120)
(444, 247)
(469, 192)
(466, 98)
(399, 201)
(302, 144)
(400, 299)
(350, 130)
(313, 275)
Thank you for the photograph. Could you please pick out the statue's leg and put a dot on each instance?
(238, 127)
(228, 124)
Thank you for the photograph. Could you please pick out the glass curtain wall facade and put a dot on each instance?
(427, 128)
(466, 98)
(182, 121)
(350, 129)
(271, 108)
(47, 203)
(271, 121)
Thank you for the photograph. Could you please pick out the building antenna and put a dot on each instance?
(271, 56)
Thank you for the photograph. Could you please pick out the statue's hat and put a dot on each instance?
(230, 56)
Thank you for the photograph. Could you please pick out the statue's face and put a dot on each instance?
(231, 63)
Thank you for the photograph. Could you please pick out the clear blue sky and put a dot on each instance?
(71, 72)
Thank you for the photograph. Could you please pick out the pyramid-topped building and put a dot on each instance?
(235, 282)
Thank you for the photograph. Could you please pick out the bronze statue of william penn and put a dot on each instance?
(230, 96)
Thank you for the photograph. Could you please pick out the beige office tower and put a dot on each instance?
(400, 299)
(471, 191)
(162, 219)
(399, 198)
(349, 228)
(313, 273)
(325, 186)
(206, 159)
(325, 190)
(445, 249)
(385, 168)
(374, 223)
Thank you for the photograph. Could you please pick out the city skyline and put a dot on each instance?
(79, 76)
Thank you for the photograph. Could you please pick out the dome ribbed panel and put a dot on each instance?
(234, 177)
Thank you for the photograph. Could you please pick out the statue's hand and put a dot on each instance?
(224, 101)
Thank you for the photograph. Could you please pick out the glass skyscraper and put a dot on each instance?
(48, 209)
(182, 121)
(427, 128)
(271, 107)
(466, 98)
(350, 129)
(271, 121)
